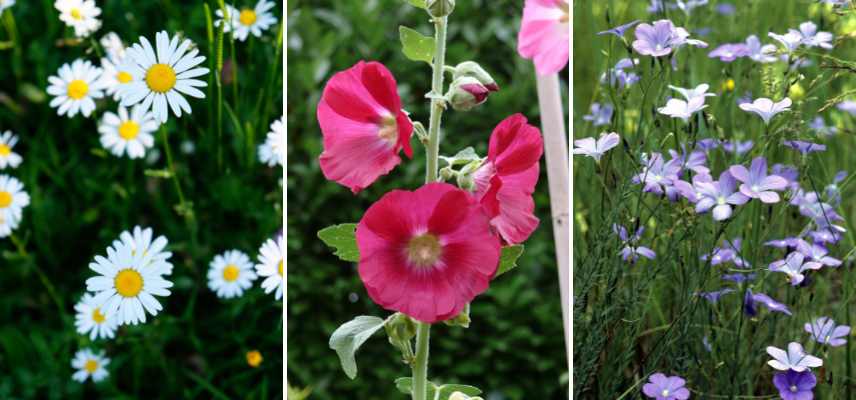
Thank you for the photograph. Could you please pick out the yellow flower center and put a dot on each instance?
(389, 130)
(77, 89)
(230, 273)
(254, 358)
(280, 267)
(75, 13)
(91, 366)
(160, 78)
(5, 150)
(123, 77)
(129, 283)
(98, 317)
(5, 199)
(247, 17)
(129, 130)
(424, 250)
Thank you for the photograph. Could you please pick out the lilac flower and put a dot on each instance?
(696, 161)
(737, 146)
(600, 115)
(756, 183)
(619, 30)
(831, 234)
(791, 40)
(656, 6)
(596, 148)
(618, 75)
(835, 3)
(677, 108)
(791, 174)
(766, 108)
(699, 91)
(708, 144)
(725, 9)
(785, 243)
(824, 331)
(848, 106)
(687, 6)
(738, 277)
(817, 253)
(805, 147)
(728, 252)
(794, 267)
(719, 195)
(662, 387)
(794, 359)
(794, 385)
(662, 38)
(760, 53)
(714, 296)
(833, 192)
(810, 206)
(657, 175)
(688, 190)
(631, 251)
(751, 300)
(729, 52)
(812, 38)
(819, 126)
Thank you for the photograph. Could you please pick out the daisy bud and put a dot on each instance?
(467, 92)
(474, 70)
(440, 8)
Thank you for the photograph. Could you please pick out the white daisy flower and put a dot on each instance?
(13, 199)
(140, 240)
(8, 158)
(4, 4)
(272, 262)
(90, 320)
(128, 133)
(75, 87)
(114, 74)
(82, 15)
(161, 75)
(113, 45)
(230, 274)
(88, 364)
(271, 152)
(126, 285)
(246, 20)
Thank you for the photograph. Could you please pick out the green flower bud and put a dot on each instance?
(400, 328)
(474, 70)
(440, 8)
(462, 319)
(467, 92)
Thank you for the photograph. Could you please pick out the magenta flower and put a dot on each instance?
(794, 267)
(794, 359)
(756, 183)
(662, 387)
(596, 148)
(794, 385)
(662, 38)
(426, 253)
(363, 124)
(824, 331)
(544, 36)
(766, 108)
(719, 195)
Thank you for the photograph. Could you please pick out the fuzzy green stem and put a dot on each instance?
(420, 365)
(437, 103)
(173, 173)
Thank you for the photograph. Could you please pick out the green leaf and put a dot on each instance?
(415, 45)
(341, 237)
(418, 4)
(348, 338)
(405, 385)
(508, 258)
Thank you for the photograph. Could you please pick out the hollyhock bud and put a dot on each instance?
(440, 8)
(400, 328)
(474, 70)
(467, 92)
(462, 319)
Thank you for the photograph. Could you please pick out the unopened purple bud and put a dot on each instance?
(467, 92)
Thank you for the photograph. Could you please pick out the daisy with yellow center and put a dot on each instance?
(92, 321)
(272, 266)
(142, 240)
(243, 21)
(9, 158)
(230, 274)
(162, 75)
(128, 133)
(272, 151)
(75, 87)
(115, 74)
(113, 46)
(125, 287)
(13, 200)
(89, 365)
(82, 15)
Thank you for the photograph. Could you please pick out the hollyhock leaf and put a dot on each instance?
(341, 238)
(508, 258)
(449, 388)
(405, 385)
(348, 338)
(415, 45)
(418, 4)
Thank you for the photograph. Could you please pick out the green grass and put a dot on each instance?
(632, 321)
(82, 198)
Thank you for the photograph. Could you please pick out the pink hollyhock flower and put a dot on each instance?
(544, 34)
(426, 253)
(363, 125)
(505, 182)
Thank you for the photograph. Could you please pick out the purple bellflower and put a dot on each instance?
(756, 183)
(824, 331)
(662, 387)
(794, 385)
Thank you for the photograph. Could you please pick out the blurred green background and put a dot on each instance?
(514, 348)
(82, 198)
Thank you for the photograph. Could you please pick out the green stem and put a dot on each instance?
(420, 366)
(437, 103)
(171, 166)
